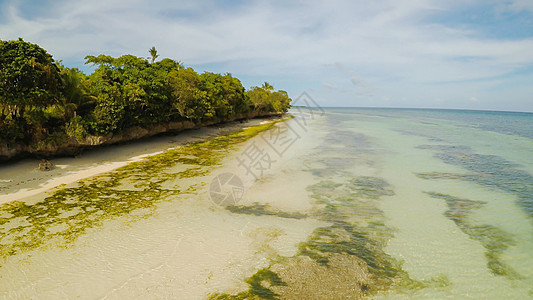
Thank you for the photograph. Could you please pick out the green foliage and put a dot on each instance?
(265, 99)
(75, 97)
(28, 76)
(129, 92)
(39, 97)
(190, 100)
(225, 92)
(77, 128)
(109, 113)
(12, 130)
(153, 54)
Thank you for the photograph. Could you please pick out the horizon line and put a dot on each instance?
(422, 108)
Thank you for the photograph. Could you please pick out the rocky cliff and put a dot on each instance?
(70, 145)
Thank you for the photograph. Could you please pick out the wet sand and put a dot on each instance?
(337, 215)
(181, 245)
(21, 179)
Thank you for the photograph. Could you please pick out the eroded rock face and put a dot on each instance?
(45, 165)
(71, 146)
(8, 151)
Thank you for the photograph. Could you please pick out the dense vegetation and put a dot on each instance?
(41, 100)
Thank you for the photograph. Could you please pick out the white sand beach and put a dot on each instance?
(190, 247)
(22, 178)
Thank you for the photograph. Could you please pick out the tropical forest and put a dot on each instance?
(44, 104)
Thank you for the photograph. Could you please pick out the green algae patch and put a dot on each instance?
(259, 287)
(440, 175)
(357, 229)
(346, 258)
(495, 240)
(132, 191)
(263, 210)
(345, 277)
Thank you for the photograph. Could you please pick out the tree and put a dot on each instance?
(153, 54)
(258, 97)
(139, 92)
(43, 101)
(265, 99)
(75, 95)
(29, 77)
(234, 95)
(190, 100)
(268, 87)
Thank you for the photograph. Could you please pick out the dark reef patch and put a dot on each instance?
(495, 240)
(357, 228)
(263, 210)
(488, 170)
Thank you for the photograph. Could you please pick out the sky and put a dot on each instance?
(453, 54)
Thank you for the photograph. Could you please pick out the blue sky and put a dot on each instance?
(461, 54)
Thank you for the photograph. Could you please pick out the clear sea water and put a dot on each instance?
(415, 204)
(463, 195)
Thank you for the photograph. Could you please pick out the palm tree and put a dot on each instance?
(153, 54)
(267, 86)
(75, 95)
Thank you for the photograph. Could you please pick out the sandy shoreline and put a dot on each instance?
(186, 245)
(22, 179)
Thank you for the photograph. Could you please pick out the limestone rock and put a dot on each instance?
(45, 165)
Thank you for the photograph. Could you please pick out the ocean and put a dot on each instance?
(335, 203)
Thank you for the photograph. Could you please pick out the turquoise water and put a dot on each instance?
(463, 195)
(382, 203)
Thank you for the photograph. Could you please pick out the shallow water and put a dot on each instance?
(345, 204)
(463, 199)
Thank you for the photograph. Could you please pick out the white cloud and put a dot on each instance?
(389, 44)
(519, 5)
(331, 86)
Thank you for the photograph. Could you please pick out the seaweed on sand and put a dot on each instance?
(357, 228)
(259, 287)
(133, 191)
(263, 210)
(344, 259)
